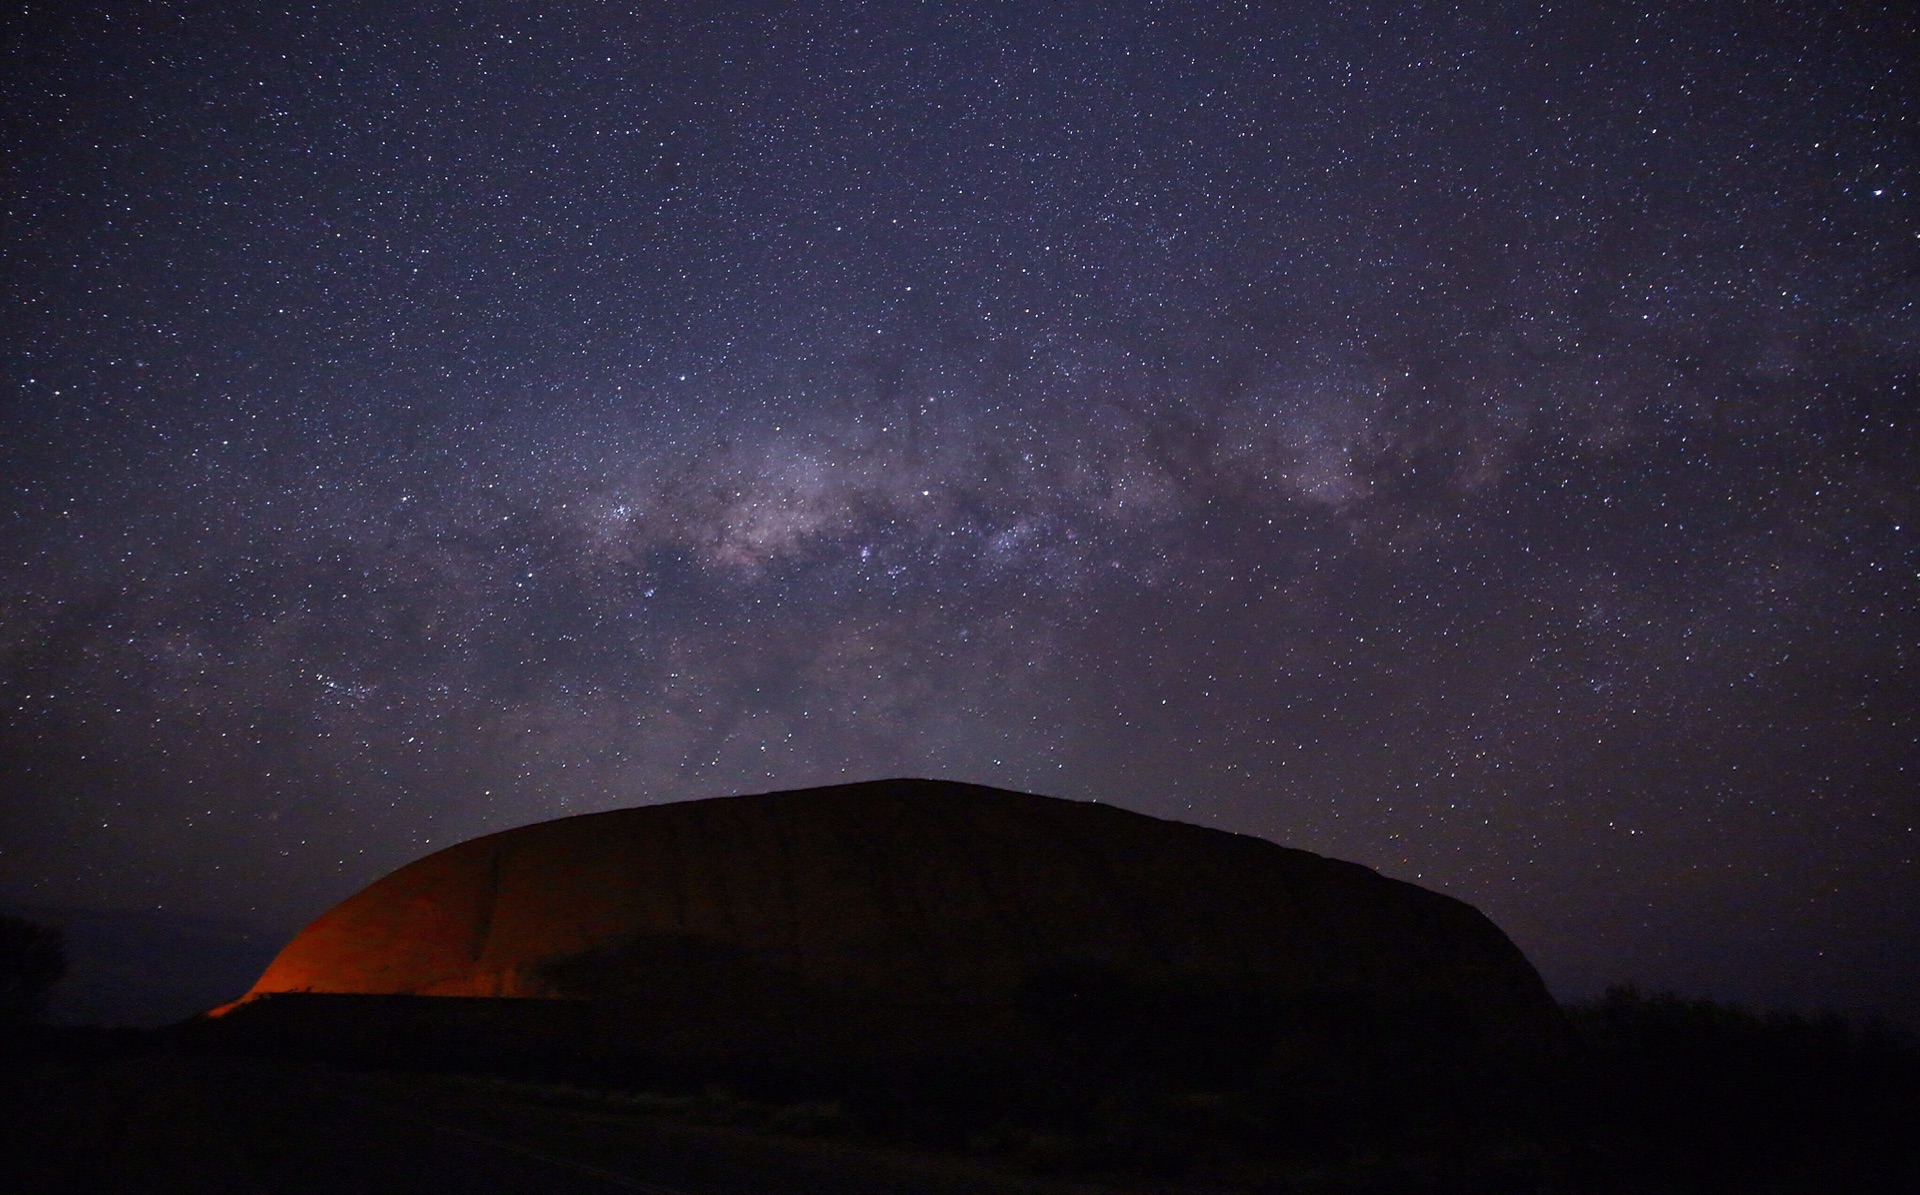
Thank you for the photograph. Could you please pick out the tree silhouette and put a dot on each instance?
(33, 957)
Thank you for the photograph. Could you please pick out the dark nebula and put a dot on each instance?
(1475, 441)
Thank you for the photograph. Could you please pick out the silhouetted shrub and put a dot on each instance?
(1724, 1098)
(33, 957)
(1187, 1029)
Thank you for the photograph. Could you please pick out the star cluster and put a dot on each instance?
(1478, 441)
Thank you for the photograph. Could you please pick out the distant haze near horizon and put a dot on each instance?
(1476, 441)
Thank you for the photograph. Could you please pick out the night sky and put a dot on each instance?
(1477, 441)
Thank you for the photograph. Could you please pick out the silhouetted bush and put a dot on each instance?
(1188, 1029)
(1721, 1098)
(32, 959)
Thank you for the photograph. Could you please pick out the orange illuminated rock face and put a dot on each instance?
(905, 892)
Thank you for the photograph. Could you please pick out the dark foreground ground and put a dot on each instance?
(161, 1120)
(1656, 1095)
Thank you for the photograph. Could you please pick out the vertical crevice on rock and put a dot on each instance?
(489, 902)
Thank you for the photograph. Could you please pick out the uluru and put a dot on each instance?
(913, 916)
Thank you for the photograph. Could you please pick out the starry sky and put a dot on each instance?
(1476, 440)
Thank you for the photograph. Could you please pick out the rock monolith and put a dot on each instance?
(936, 908)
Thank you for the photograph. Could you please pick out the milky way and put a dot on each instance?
(1478, 443)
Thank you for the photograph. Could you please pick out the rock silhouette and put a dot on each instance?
(936, 911)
